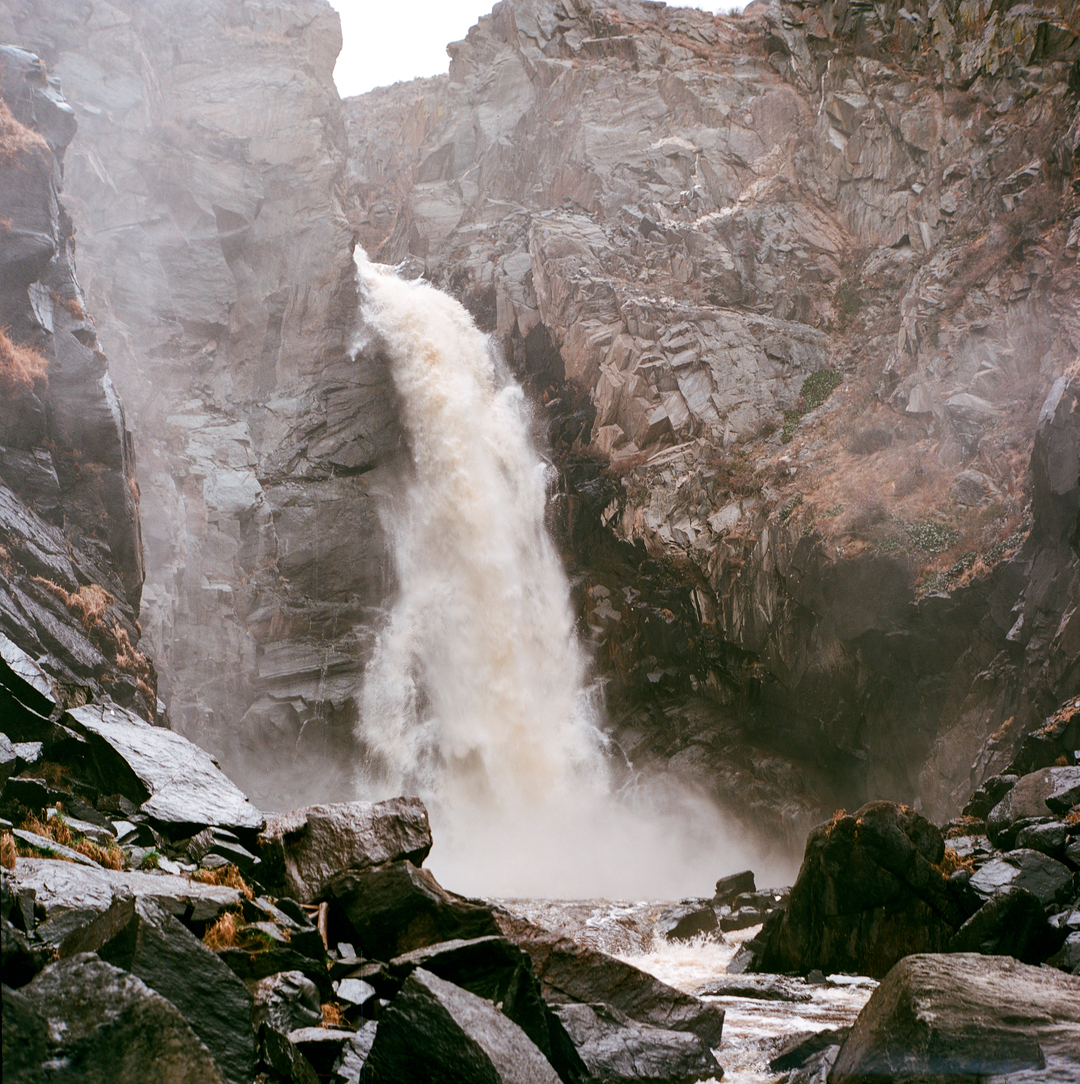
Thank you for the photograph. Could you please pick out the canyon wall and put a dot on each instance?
(792, 288)
(788, 290)
(205, 184)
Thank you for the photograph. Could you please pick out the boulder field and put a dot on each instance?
(149, 908)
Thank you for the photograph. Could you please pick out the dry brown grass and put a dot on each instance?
(332, 1016)
(8, 850)
(111, 857)
(228, 876)
(223, 933)
(54, 828)
(88, 603)
(21, 367)
(16, 139)
(54, 774)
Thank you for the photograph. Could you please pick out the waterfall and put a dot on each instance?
(477, 696)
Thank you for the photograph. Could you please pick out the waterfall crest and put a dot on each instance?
(476, 697)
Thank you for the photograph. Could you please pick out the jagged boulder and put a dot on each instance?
(570, 973)
(394, 908)
(869, 892)
(104, 1024)
(940, 1019)
(1011, 923)
(1039, 796)
(435, 1031)
(619, 1050)
(308, 847)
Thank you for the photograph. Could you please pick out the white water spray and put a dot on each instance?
(476, 696)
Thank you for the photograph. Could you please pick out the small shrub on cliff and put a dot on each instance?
(8, 850)
(228, 876)
(16, 138)
(332, 1016)
(20, 366)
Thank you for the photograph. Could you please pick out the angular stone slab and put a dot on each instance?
(314, 844)
(395, 908)
(63, 886)
(436, 1032)
(618, 1050)
(286, 1001)
(1048, 880)
(43, 843)
(943, 1018)
(172, 961)
(571, 973)
(107, 1025)
(176, 781)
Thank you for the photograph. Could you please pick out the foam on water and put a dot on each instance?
(477, 697)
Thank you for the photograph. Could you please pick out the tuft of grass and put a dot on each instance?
(111, 857)
(21, 367)
(88, 603)
(333, 1016)
(16, 139)
(8, 850)
(228, 876)
(222, 933)
(151, 860)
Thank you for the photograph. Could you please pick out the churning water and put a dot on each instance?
(477, 698)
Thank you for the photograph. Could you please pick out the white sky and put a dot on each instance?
(388, 42)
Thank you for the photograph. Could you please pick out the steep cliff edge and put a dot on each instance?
(206, 184)
(792, 288)
(71, 568)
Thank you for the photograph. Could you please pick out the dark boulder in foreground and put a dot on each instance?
(306, 848)
(107, 1025)
(394, 908)
(619, 1050)
(570, 973)
(436, 1032)
(869, 892)
(940, 1019)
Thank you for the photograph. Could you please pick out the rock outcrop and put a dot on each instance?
(792, 287)
(206, 183)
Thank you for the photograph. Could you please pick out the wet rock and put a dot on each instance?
(797, 1050)
(96, 1011)
(349, 1066)
(869, 892)
(1048, 838)
(436, 1031)
(63, 886)
(279, 1055)
(1035, 798)
(286, 1001)
(310, 846)
(570, 973)
(176, 782)
(688, 920)
(962, 1016)
(321, 1047)
(158, 949)
(727, 888)
(497, 970)
(762, 987)
(394, 908)
(1048, 880)
(1011, 923)
(617, 1049)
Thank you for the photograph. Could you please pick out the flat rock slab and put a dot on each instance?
(437, 1032)
(50, 846)
(763, 987)
(618, 1050)
(107, 1025)
(318, 842)
(176, 781)
(63, 886)
(1045, 878)
(938, 1019)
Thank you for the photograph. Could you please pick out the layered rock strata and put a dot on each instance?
(792, 288)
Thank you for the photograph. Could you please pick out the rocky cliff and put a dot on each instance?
(206, 185)
(792, 288)
(71, 566)
(789, 291)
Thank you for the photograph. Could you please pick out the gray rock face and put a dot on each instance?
(114, 1027)
(617, 1049)
(314, 844)
(943, 1018)
(286, 1001)
(1048, 880)
(217, 259)
(436, 1031)
(182, 783)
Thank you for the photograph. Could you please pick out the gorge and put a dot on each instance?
(771, 319)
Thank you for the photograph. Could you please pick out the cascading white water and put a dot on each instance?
(476, 696)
